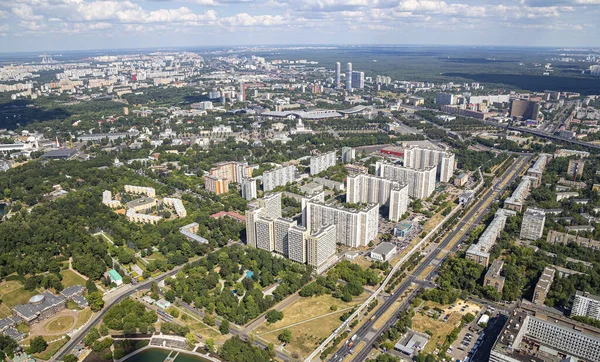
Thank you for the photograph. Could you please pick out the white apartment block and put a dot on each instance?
(265, 238)
(232, 171)
(354, 228)
(108, 201)
(532, 227)
(586, 305)
(140, 190)
(177, 204)
(281, 230)
(419, 157)
(480, 251)
(262, 211)
(421, 182)
(322, 162)
(371, 189)
(297, 244)
(320, 246)
(278, 177)
(249, 191)
(133, 216)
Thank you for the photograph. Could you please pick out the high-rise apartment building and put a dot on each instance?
(338, 78)
(282, 229)
(278, 177)
(216, 184)
(320, 246)
(348, 154)
(444, 99)
(358, 80)
(371, 189)
(353, 227)
(418, 157)
(263, 211)
(524, 109)
(322, 162)
(586, 305)
(232, 171)
(532, 227)
(297, 244)
(349, 77)
(421, 182)
(265, 234)
(249, 191)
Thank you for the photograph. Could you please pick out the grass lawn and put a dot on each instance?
(307, 335)
(422, 323)
(60, 324)
(83, 317)
(17, 296)
(70, 278)
(155, 256)
(72, 305)
(23, 328)
(51, 350)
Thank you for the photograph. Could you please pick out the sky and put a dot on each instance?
(55, 25)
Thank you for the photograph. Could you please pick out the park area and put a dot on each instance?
(13, 293)
(438, 320)
(310, 320)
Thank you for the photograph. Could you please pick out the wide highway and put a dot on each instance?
(367, 333)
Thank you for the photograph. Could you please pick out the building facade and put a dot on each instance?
(419, 157)
(249, 190)
(532, 226)
(354, 228)
(320, 246)
(278, 177)
(216, 184)
(368, 189)
(586, 305)
(421, 182)
(322, 162)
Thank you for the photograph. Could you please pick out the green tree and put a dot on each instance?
(37, 345)
(285, 336)
(210, 345)
(95, 300)
(70, 358)
(190, 340)
(273, 316)
(91, 337)
(224, 327)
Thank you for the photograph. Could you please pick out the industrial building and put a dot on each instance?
(538, 334)
(384, 251)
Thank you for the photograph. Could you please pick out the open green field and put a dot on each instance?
(309, 320)
(13, 293)
(71, 278)
(60, 324)
(51, 350)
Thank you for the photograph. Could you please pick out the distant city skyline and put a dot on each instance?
(55, 25)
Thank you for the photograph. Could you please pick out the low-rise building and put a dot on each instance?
(384, 251)
(115, 277)
(492, 276)
(40, 307)
(543, 286)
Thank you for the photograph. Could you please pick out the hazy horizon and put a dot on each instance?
(64, 25)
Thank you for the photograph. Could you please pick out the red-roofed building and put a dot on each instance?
(234, 215)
